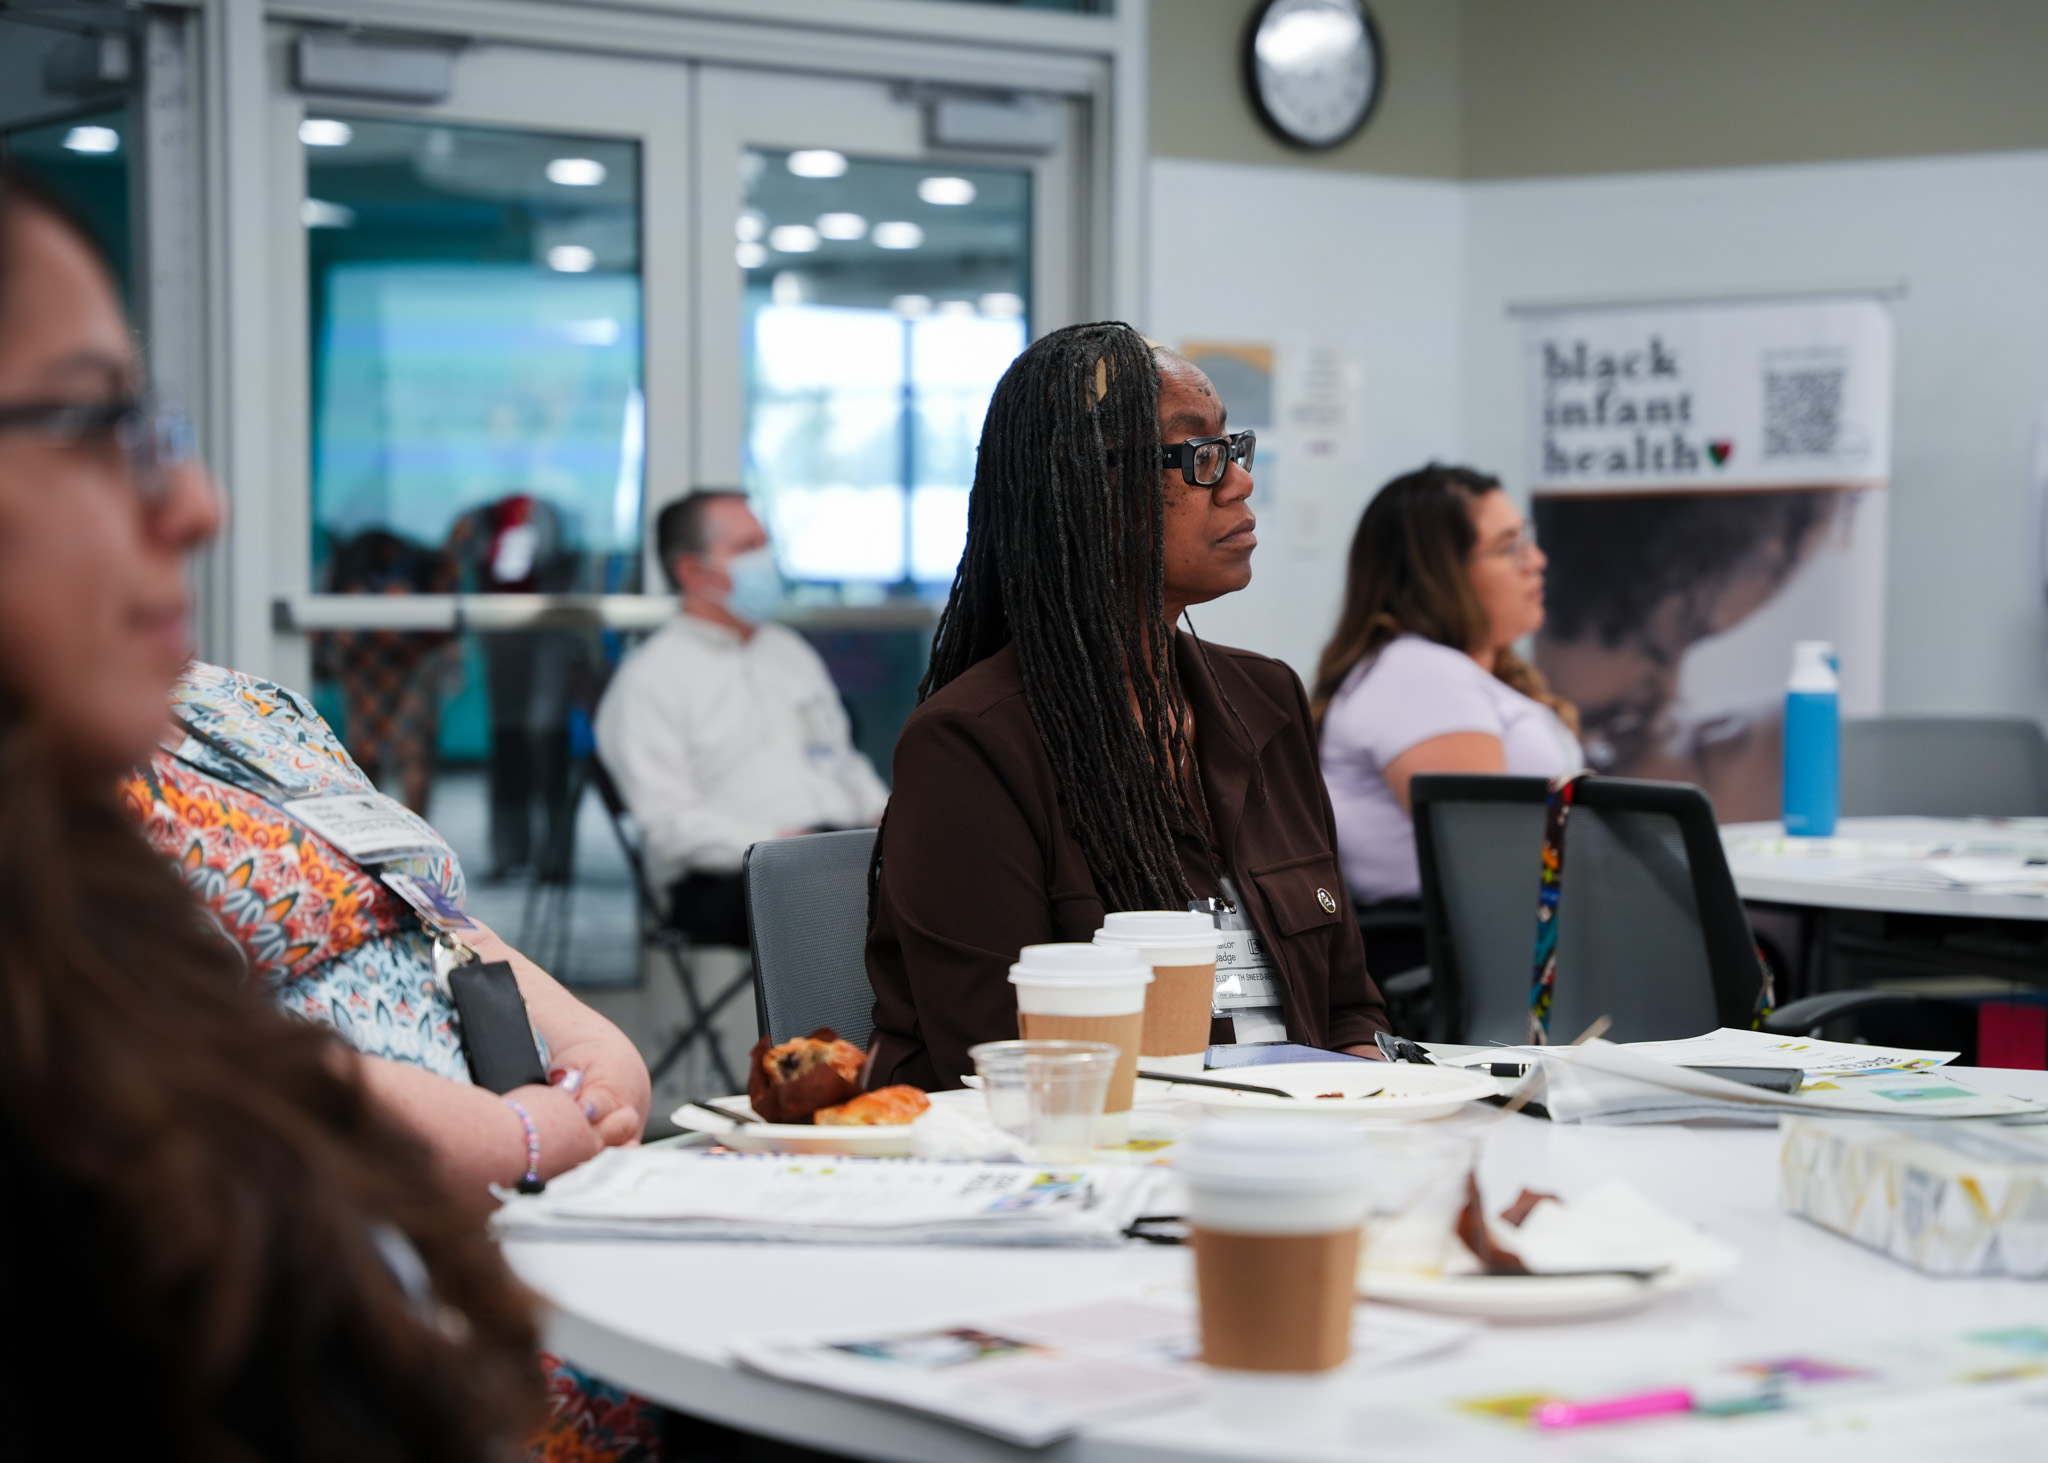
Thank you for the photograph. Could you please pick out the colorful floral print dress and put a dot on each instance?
(329, 939)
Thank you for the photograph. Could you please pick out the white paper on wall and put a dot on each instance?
(1708, 481)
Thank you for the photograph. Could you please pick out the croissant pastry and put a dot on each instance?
(884, 1107)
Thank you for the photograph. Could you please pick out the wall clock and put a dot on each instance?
(1314, 69)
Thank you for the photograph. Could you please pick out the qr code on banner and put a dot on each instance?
(1802, 412)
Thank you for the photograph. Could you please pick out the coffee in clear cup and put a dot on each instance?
(1275, 1206)
(1180, 947)
(1073, 992)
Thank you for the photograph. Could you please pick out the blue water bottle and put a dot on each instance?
(1813, 742)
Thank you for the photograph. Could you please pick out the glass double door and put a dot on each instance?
(568, 294)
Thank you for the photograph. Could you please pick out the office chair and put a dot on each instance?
(1651, 932)
(807, 914)
(1944, 767)
(674, 946)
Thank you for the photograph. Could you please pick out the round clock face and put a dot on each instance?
(1314, 68)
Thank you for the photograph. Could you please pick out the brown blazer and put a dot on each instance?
(977, 862)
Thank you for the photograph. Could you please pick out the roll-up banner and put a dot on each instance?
(1708, 483)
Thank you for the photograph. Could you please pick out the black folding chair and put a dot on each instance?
(674, 946)
(1651, 932)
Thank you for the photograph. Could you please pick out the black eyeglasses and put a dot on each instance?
(153, 438)
(1203, 460)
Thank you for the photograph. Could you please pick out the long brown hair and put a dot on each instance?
(212, 1245)
(1407, 576)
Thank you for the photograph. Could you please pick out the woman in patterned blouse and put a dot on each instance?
(334, 944)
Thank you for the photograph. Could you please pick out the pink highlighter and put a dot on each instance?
(1614, 1409)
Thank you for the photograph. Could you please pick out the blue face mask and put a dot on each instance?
(756, 586)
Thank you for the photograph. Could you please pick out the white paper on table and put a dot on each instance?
(1601, 1082)
(1035, 1377)
(1984, 875)
(681, 1193)
(1612, 1227)
(1731, 1047)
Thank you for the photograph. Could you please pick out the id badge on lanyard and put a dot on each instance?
(366, 826)
(1245, 977)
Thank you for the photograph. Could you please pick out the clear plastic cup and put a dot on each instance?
(1048, 1093)
(1417, 1189)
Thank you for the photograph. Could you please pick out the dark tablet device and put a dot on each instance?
(1771, 1079)
(497, 1038)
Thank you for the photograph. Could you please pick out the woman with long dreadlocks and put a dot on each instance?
(1073, 752)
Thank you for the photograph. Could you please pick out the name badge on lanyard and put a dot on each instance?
(368, 827)
(1245, 977)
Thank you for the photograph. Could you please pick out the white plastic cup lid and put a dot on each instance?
(1160, 929)
(1078, 965)
(1275, 1155)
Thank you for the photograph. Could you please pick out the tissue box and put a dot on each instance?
(1949, 1198)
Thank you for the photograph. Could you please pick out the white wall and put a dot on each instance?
(1294, 259)
(1418, 276)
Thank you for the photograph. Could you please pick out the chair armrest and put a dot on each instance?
(1806, 1016)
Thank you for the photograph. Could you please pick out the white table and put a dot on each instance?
(656, 1317)
(1821, 873)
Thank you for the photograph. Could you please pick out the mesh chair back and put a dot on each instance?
(807, 915)
(1944, 767)
(1650, 930)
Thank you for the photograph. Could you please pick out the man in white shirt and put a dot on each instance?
(724, 728)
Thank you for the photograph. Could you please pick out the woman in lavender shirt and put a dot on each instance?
(1421, 675)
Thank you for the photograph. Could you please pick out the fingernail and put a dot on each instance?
(590, 1111)
(572, 1081)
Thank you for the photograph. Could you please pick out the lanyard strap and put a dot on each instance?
(271, 790)
(1543, 977)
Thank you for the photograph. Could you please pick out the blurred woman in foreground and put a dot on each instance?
(213, 1244)
(1422, 676)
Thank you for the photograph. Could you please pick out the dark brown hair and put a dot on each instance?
(212, 1246)
(1407, 576)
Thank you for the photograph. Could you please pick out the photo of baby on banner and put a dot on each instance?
(1709, 485)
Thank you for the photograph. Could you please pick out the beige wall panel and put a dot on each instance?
(1200, 110)
(1604, 86)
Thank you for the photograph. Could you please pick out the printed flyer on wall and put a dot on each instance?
(1708, 481)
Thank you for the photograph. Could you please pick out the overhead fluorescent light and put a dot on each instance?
(897, 235)
(576, 172)
(92, 140)
(842, 226)
(818, 162)
(326, 132)
(946, 192)
(572, 259)
(793, 238)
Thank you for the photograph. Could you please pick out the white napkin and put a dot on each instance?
(1613, 1227)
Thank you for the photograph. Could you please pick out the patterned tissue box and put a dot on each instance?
(1950, 1198)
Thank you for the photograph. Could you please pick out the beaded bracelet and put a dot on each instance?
(530, 1182)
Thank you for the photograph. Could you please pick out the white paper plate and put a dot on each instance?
(1371, 1089)
(1519, 1298)
(889, 1141)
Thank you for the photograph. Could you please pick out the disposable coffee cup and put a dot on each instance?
(1274, 1213)
(1087, 993)
(1180, 947)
